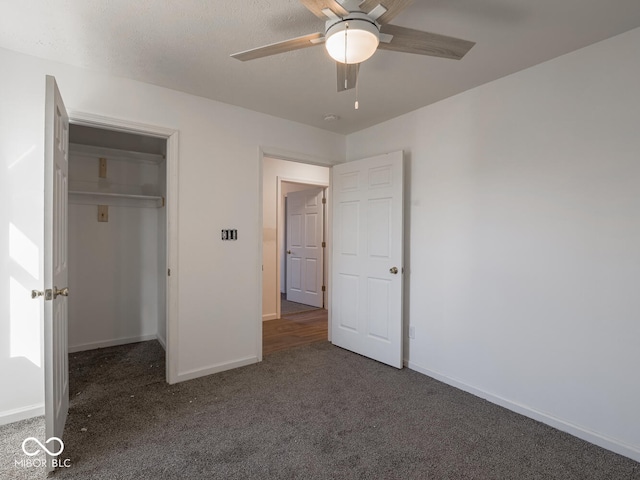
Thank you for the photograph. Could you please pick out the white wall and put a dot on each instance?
(524, 240)
(113, 276)
(272, 169)
(21, 242)
(219, 171)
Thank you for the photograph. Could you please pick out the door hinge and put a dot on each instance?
(324, 244)
(168, 272)
(324, 200)
(324, 289)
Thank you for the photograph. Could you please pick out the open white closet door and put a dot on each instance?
(367, 257)
(55, 266)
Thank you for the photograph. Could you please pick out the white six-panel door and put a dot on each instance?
(367, 257)
(305, 220)
(55, 263)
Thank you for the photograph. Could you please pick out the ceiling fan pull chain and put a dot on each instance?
(357, 105)
(346, 77)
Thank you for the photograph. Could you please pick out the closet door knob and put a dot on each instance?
(393, 270)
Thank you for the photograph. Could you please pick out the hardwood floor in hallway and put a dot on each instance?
(294, 330)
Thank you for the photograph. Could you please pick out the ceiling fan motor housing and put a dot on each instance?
(352, 39)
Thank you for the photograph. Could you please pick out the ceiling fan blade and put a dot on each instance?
(281, 47)
(317, 6)
(394, 7)
(424, 43)
(347, 75)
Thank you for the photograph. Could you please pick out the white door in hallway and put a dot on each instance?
(55, 265)
(367, 257)
(305, 224)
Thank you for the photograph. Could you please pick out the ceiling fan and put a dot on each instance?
(355, 29)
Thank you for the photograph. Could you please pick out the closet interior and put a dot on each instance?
(117, 238)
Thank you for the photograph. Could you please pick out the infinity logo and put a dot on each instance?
(53, 454)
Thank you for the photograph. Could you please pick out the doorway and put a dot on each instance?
(117, 238)
(138, 150)
(286, 323)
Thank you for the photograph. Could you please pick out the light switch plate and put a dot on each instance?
(229, 234)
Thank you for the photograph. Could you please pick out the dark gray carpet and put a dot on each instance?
(314, 412)
(11, 438)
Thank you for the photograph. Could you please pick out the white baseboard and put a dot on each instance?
(269, 316)
(596, 438)
(110, 343)
(162, 342)
(221, 367)
(22, 413)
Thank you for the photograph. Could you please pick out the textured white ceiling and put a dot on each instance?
(185, 45)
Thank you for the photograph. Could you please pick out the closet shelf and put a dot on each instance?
(115, 199)
(91, 152)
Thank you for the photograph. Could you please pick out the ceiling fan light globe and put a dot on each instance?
(362, 41)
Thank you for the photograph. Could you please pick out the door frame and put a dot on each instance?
(281, 235)
(280, 154)
(172, 137)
